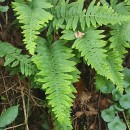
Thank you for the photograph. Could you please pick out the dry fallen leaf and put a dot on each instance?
(84, 97)
(90, 113)
(79, 114)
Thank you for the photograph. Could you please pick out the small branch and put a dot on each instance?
(126, 120)
(14, 126)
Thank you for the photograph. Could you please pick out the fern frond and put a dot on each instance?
(104, 85)
(33, 16)
(120, 38)
(114, 69)
(120, 33)
(70, 15)
(57, 72)
(13, 57)
(93, 50)
(103, 15)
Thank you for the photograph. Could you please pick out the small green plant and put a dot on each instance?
(122, 103)
(3, 8)
(8, 116)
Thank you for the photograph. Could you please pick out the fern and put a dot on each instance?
(13, 57)
(120, 38)
(103, 15)
(114, 69)
(120, 34)
(106, 63)
(92, 48)
(57, 72)
(55, 61)
(69, 16)
(33, 17)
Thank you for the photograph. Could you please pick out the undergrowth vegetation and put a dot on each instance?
(60, 34)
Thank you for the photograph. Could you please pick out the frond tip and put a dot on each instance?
(33, 17)
(57, 72)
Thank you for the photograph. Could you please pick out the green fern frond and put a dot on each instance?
(120, 33)
(120, 38)
(13, 57)
(92, 49)
(104, 85)
(33, 16)
(103, 15)
(57, 72)
(70, 15)
(114, 69)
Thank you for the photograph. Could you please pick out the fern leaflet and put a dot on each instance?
(33, 17)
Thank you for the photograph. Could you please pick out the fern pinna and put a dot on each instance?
(57, 73)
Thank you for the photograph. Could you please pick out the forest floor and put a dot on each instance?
(33, 111)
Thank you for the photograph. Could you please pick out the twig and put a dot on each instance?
(126, 120)
(5, 89)
(24, 106)
(28, 101)
(24, 109)
(15, 126)
(98, 112)
(9, 88)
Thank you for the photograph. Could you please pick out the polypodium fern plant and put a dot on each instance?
(98, 31)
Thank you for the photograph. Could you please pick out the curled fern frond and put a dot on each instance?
(33, 16)
(13, 57)
(57, 73)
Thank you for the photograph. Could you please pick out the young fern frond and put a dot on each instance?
(13, 57)
(33, 16)
(57, 73)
